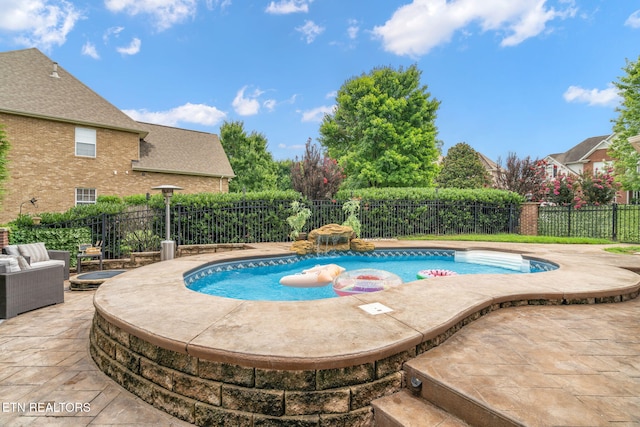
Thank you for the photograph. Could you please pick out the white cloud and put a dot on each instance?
(212, 4)
(310, 30)
(317, 114)
(165, 13)
(42, 23)
(353, 29)
(332, 94)
(595, 97)
(633, 20)
(188, 113)
(89, 49)
(112, 31)
(247, 105)
(284, 7)
(132, 49)
(416, 28)
(270, 104)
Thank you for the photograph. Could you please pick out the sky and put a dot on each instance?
(531, 77)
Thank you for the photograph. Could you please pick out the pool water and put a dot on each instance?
(262, 283)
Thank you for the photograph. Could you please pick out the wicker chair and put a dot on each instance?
(30, 289)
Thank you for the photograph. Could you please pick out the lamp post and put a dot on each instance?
(168, 248)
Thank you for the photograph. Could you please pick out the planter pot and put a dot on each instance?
(302, 236)
(36, 220)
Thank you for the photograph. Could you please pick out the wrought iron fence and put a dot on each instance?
(265, 221)
(613, 222)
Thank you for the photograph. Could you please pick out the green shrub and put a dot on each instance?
(64, 239)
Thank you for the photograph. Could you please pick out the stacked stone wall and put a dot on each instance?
(206, 392)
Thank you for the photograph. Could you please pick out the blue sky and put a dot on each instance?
(526, 76)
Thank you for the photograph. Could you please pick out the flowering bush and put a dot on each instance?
(561, 190)
(584, 189)
(597, 189)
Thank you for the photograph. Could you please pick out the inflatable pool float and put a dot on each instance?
(320, 275)
(426, 274)
(364, 280)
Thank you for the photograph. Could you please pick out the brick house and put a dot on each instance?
(69, 145)
(589, 156)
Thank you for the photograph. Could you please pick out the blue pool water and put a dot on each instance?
(260, 279)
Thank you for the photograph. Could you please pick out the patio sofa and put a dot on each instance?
(38, 256)
(27, 289)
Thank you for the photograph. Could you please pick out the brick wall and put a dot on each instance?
(529, 219)
(43, 164)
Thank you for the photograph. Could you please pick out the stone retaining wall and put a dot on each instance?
(205, 392)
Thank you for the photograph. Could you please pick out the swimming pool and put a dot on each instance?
(258, 279)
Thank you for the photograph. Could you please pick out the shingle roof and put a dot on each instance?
(173, 150)
(27, 88)
(578, 152)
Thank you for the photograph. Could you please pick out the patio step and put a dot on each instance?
(417, 409)
(404, 409)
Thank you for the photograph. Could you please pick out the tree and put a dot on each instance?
(522, 176)
(316, 176)
(627, 125)
(382, 131)
(251, 162)
(283, 173)
(462, 168)
(4, 162)
(598, 188)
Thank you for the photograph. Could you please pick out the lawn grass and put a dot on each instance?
(511, 238)
(626, 250)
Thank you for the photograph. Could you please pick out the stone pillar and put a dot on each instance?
(529, 219)
(4, 237)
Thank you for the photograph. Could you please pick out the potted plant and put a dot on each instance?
(352, 209)
(298, 219)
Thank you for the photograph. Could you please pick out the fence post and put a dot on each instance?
(614, 221)
(179, 225)
(529, 219)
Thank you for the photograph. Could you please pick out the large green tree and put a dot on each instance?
(626, 125)
(462, 168)
(253, 165)
(382, 131)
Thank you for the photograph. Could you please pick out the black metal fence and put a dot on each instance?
(265, 221)
(613, 222)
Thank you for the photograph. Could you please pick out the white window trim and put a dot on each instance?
(85, 202)
(87, 137)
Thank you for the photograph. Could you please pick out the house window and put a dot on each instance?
(85, 196)
(85, 142)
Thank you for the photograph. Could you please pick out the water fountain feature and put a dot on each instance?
(331, 237)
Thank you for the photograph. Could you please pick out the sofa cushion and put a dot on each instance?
(10, 264)
(36, 251)
(11, 250)
(47, 263)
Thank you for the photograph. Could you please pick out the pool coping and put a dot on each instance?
(336, 333)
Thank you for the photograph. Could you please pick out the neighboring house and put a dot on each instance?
(69, 145)
(492, 168)
(589, 156)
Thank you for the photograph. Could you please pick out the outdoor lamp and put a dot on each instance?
(32, 201)
(168, 248)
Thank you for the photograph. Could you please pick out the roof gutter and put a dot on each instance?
(140, 132)
(177, 172)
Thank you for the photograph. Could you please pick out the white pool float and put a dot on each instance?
(320, 275)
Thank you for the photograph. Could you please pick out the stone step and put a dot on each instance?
(452, 400)
(404, 409)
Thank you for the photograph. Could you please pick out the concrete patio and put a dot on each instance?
(547, 365)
